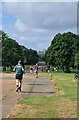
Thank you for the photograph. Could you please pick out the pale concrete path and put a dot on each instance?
(40, 86)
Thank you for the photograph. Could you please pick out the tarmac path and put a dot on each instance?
(40, 86)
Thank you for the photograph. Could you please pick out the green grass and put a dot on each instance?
(66, 83)
(41, 106)
(60, 106)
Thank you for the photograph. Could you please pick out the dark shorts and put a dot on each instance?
(36, 71)
(18, 76)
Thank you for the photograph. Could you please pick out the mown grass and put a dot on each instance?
(58, 106)
(66, 83)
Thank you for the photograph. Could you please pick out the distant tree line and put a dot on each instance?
(64, 51)
(12, 52)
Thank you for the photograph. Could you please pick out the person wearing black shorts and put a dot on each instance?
(19, 75)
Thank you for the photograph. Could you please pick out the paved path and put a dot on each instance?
(40, 86)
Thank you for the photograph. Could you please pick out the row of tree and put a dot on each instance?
(64, 51)
(12, 52)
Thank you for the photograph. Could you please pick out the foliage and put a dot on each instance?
(62, 51)
(31, 56)
(12, 52)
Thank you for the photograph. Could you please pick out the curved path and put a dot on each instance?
(40, 86)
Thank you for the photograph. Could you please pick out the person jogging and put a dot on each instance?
(48, 67)
(19, 75)
(31, 69)
(36, 70)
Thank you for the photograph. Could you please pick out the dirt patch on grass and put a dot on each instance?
(22, 111)
(66, 109)
(16, 109)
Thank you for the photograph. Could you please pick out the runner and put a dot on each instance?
(36, 70)
(48, 67)
(31, 69)
(19, 75)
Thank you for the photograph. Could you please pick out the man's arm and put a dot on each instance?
(23, 70)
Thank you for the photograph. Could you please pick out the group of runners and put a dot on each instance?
(19, 69)
(41, 68)
(35, 69)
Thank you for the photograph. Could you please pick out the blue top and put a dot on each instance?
(18, 69)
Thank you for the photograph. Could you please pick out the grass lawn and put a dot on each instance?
(62, 105)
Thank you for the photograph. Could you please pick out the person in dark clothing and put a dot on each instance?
(48, 67)
(19, 75)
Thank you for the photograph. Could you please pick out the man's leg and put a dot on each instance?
(20, 84)
(37, 74)
(17, 85)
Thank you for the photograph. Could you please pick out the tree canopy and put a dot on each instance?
(63, 51)
(12, 52)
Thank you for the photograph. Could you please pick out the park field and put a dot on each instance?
(61, 105)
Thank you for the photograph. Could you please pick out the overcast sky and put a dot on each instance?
(34, 24)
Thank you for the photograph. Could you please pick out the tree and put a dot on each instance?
(11, 51)
(62, 51)
(31, 56)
